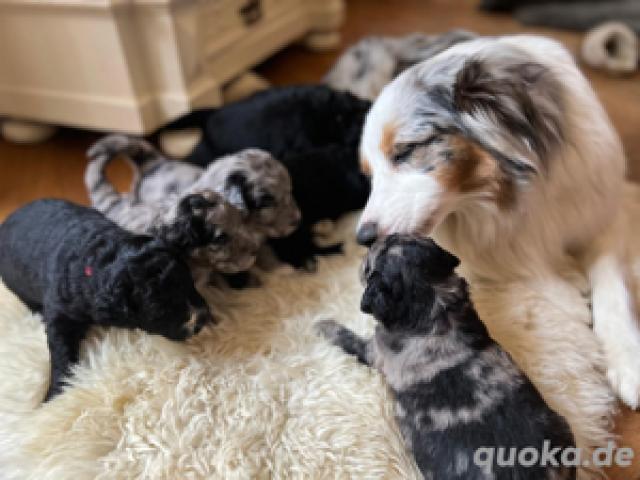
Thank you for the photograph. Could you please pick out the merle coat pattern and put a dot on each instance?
(456, 390)
(80, 269)
(315, 132)
(251, 180)
(371, 63)
(244, 212)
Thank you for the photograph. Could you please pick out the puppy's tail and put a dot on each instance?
(141, 155)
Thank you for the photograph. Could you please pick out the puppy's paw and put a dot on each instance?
(345, 339)
(197, 321)
(624, 376)
(329, 329)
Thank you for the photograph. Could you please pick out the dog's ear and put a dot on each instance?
(366, 303)
(523, 98)
(440, 264)
(373, 300)
(388, 301)
(235, 190)
(113, 301)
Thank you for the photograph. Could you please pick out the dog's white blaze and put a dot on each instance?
(402, 202)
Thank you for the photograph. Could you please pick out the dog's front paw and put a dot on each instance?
(329, 329)
(624, 376)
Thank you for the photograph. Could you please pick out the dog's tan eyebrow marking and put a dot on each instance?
(388, 139)
(472, 169)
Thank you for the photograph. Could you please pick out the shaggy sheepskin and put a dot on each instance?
(260, 395)
(257, 396)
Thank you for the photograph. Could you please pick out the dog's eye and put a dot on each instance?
(403, 155)
(405, 150)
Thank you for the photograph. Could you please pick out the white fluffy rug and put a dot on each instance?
(260, 395)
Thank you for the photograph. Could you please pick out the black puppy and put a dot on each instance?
(456, 390)
(326, 184)
(314, 131)
(80, 269)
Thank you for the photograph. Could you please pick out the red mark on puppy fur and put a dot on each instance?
(88, 271)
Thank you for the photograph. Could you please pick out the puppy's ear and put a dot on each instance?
(522, 98)
(375, 301)
(368, 297)
(442, 265)
(437, 264)
(235, 190)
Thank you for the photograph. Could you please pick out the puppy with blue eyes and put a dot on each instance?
(456, 390)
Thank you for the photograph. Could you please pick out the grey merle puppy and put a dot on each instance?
(456, 390)
(251, 192)
(368, 65)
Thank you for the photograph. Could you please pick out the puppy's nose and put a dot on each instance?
(367, 234)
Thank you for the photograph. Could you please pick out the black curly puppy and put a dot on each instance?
(456, 390)
(326, 184)
(314, 131)
(80, 269)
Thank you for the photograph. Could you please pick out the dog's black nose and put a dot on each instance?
(367, 234)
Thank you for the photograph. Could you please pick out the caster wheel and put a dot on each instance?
(28, 133)
(244, 86)
(180, 143)
(322, 41)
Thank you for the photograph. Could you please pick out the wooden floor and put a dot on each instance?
(55, 168)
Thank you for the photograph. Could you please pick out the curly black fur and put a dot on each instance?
(315, 132)
(80, 269)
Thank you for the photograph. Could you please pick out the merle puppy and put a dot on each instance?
(162, 213)
(80, 269)
(251, 180)
(372, 62)
(456, 389)
(314, 131)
